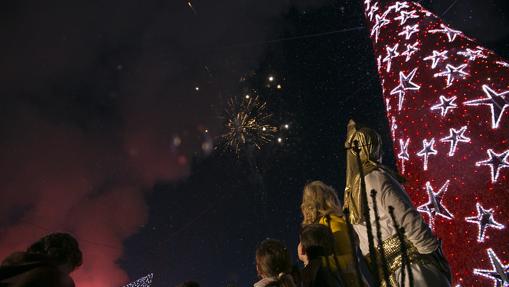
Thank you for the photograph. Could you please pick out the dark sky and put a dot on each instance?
(95, 92)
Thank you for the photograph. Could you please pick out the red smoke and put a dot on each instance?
(58, 177)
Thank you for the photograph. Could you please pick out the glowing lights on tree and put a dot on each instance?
(434, 207)
(455, 137)
(142, 282)
(484, 219)
(427, 150)
(436, 57)
(453, 73)
(451, 95)
(405, 84)
(496, 162)
(497, 102)
(445, 105)
(499, 272)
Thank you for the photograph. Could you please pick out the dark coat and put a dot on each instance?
(32, 270)
(316, 274)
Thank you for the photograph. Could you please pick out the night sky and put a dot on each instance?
(103, 127)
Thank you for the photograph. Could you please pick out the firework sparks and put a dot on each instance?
(247, 123)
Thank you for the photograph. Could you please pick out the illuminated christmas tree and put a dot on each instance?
(142, 282)
(447, 101)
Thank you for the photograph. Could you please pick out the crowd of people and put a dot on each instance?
(334, 243)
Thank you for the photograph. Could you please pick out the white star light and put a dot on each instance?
(499, 272)
(427, 150)
(453, 73)
(394, 126)
(484, 219)
(408, 31)
(503, 64)
(391, 53)
(436, 57)
(496, 162)
(380, 22)
(372, 11)
(410, 50)
(445, 105)
(405, 83)
(455, 137)
(404, 16)
(472, 55)
(434, 205)
(397, 6)
(142, 282)
(498, 102)
(403, 155)
(451, 34)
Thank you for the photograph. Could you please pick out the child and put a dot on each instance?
(320, 204)
(273, 264)
(315, 249)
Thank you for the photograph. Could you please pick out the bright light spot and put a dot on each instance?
(206, 131)
(264, 129)
(279, 87)
(177, 141)
(287, 126)
(197, 88)
(279, 140)
(248, 96)
(271, 78)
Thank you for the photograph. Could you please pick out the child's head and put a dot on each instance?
(315, 240)
(318, 199)
(272, 259)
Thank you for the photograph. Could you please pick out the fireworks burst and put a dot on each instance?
(247, 123)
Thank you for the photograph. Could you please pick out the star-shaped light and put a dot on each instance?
(405, 83)
(410, 50)
(455, 137)
(499, 272)
(408, 31)
(445, 105)
(391, 53)
(404, 16)
(380, 21)
(372, 11)
(472, 55)
(403, 155)
(434, 206)
(484, 219)
(397, 6)
(436, 57)
(427, 150)
(497, 102)
(394, 126)
(496, 162)
(451, 34)
(503, 64)
(453, 73)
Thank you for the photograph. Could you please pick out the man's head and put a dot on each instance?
(61, 248)
(315, 240)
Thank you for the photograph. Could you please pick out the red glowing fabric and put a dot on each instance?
(447, 103)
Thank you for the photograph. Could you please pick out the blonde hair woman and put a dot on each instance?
(320, 204)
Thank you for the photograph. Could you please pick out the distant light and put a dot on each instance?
(287, 126)
(279, 87)
(279, 140)
(248, 96)
(206, 131)
(197, 88)
(177, 141)
(207, 147)
(271, 78)
(264, 129)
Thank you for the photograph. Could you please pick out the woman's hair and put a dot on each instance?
(273, 260)
(318, 200)
(317, 240)
(61, 248)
